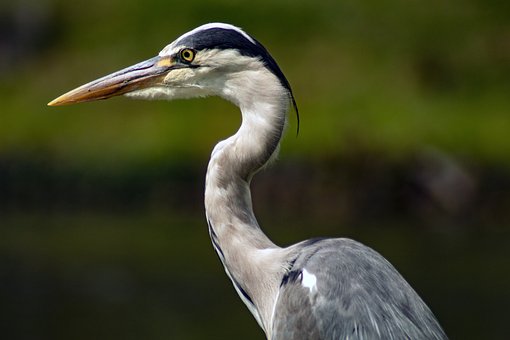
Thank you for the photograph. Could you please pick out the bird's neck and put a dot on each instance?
(237, 238)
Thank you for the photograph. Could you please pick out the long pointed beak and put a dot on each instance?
(142, 75)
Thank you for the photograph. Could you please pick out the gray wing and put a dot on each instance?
(341, 289)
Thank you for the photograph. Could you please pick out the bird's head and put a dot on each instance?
(213, 59)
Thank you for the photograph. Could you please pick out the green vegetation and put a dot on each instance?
(391, 77)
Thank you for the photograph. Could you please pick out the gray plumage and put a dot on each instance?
(359, 296)
(316, 289)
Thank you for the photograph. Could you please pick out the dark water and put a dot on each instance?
(151, 275)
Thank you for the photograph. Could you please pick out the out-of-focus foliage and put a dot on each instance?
(392, 77)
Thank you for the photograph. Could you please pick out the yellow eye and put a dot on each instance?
(188, 55)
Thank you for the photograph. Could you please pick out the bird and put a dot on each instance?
(321, 288)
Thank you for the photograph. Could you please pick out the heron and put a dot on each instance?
(321, 288)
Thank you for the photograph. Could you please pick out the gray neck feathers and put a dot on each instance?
(264, 103)
(236, 236)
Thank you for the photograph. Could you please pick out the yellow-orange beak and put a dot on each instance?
(142, 75)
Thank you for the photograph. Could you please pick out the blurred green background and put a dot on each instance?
(404, 145)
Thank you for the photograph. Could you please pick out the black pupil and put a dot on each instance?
(186, 55)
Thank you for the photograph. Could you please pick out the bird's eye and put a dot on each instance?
(187, 55)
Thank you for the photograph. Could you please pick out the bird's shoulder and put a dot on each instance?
(340, 288)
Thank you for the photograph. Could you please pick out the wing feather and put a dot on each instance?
(359, 295)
